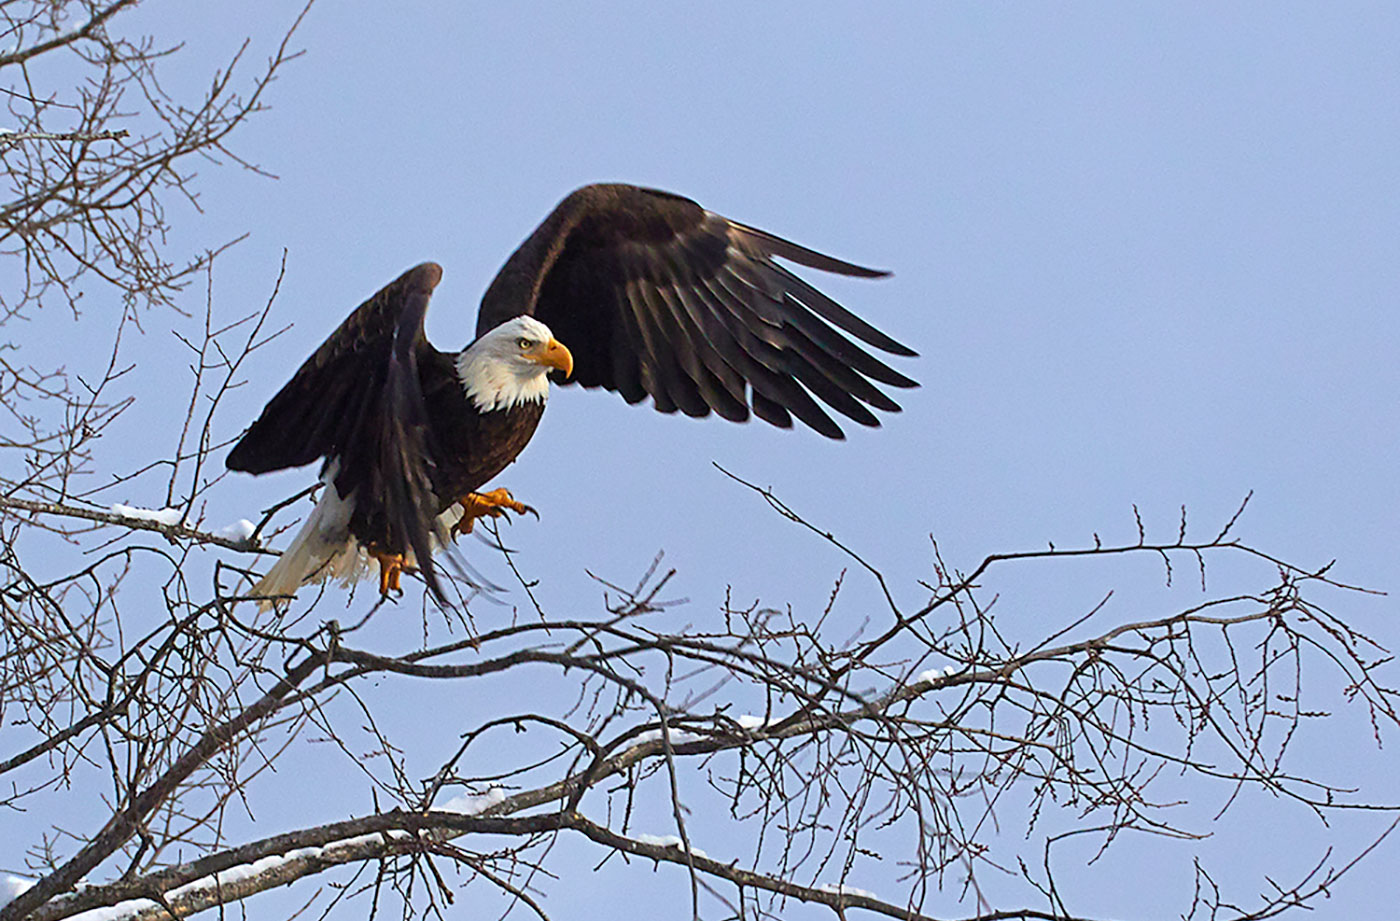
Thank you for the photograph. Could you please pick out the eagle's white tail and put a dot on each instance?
(320, 549)
(324, 548)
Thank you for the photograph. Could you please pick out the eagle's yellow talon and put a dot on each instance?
(493, 504)
(391, 567)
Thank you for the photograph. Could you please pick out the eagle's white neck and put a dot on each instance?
(494, 373)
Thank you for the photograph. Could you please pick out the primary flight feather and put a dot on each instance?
(635, 290)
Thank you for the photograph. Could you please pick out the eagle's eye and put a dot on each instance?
(523, 343)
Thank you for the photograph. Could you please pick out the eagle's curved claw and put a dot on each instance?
(391, 567)
(493, 504)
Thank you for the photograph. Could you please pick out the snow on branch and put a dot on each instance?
(10, 137)
(167, 521)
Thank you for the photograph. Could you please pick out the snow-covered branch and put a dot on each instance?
(8, 137)
(167, 521)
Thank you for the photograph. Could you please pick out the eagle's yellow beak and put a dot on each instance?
(555, 354)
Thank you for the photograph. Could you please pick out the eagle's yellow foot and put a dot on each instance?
(391, 567)
(493, 504)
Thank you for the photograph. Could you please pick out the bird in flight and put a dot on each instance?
(635, 290)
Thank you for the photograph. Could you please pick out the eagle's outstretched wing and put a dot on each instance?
(357, 402)
(655, 296)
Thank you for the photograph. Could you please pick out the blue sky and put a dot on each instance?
(1148, 254)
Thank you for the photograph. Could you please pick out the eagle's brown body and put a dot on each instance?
(470, 448)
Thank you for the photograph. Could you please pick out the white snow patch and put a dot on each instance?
(843, 889)
(750, 721)
(127, 909)
(934, 674)
(242, 529)
(474, 803)
(166, 516)
(11, 886)
(677, 736)
(669, 841)
(265, 864)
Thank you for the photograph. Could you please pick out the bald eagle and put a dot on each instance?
(635, 290)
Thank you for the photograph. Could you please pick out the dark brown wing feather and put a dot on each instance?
(658, 297)
(358, 402)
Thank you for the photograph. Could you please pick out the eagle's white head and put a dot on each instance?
(511, 363)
